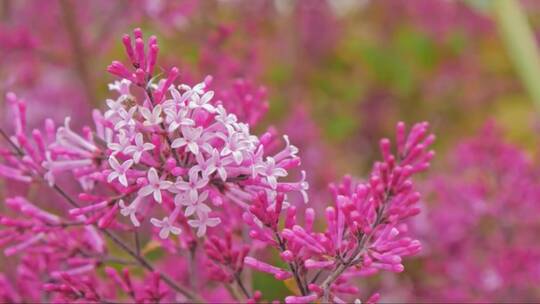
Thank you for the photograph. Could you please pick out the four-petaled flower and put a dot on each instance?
(114, 107)
(176, 118)
(126, 118)
(194, 139)
(235, 145)
(202, 222)
(192, 186)
(193, 207)
(178, 98)
(119, 170)
(139, 147)
(202, 101)
(270, 171)
(155, 185)
(151, 118)
(122, 87)
(166, 227)
(197, 89)
(206, 167)
(130, 211)
(121, 145)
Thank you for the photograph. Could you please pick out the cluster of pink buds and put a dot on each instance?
(246, 101)
(365, 229)
(49, 246)
(225, 261)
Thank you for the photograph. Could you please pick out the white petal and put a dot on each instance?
(123, 180)
(146, 190)
(177, 143)
(164, 233)
(213, 222)
(112, 176)
(157, 196)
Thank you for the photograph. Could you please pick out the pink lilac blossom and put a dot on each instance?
(170, 157)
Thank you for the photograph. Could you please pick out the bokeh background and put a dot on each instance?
(338, 75)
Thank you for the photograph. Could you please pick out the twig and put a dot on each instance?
(137, 242)
(293, 266)
(238, 279)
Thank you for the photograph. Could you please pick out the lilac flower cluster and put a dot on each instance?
(176, 145)
(173, 158)
(365, 229)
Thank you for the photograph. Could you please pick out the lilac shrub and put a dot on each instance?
(168, 166)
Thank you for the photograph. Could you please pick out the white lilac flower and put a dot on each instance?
(151, 118)
(236, 145)
(177, 118)
(202, 222)
(270, 171)
(155, 185)
(193, 207)
(191, 187)
(166, 227)
(139, 147)
(130, 211)
(197, 89)
(193, 138)
(121, 145)
(126, 119)
(114, 107)
(225, 118)
(205, 166)
(202, 101)
(119, 170)
(122, 87)
(179, 98)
